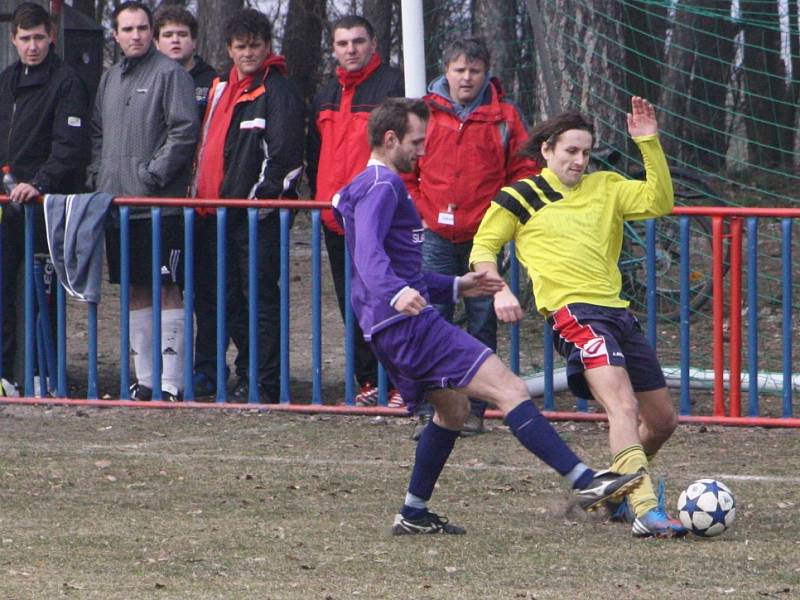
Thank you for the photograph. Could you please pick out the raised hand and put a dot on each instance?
(642, 118)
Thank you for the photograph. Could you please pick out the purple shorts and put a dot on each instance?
(590, 336)
(427, 353)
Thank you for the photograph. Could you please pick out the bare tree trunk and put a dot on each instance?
(87, 7)
(586, 55)
(434, 14)
(211, 43)
(707, 131)
(645, 31)
(769, 111)
(696, 85)
(527, 92)
(302, 43)
(495, 21)
(379, 13)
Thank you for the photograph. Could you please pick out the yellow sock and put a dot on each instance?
(631, 460)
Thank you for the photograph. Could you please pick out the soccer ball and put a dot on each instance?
(707, 507)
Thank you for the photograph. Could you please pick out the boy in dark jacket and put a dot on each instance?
(175, 30)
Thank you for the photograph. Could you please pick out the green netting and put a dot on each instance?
(724, 77)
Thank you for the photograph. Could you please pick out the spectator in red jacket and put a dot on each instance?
(471, 151)
(337, 150)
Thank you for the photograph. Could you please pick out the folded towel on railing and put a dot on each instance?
(76, 236)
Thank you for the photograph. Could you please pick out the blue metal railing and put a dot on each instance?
(58, 355)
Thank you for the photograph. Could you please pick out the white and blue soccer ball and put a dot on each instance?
(707, 507)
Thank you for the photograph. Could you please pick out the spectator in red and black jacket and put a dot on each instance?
(471, 151)
(338, 149)
(251, 147)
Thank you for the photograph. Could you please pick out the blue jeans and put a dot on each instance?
(440, 255)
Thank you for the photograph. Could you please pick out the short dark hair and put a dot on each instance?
(550, 130)
(351, 21)
(177, 15)
(247, 23)
(392, 115)
(131, 5)
(29, 15)
(471, 48)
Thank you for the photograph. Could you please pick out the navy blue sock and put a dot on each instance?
(535, 433)
(433, 449)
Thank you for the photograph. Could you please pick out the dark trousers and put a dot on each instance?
(236, 288)
(366, 365)
(13, 250)
(440, 255)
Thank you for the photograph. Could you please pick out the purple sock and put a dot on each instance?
(535, 433)
(433, 449)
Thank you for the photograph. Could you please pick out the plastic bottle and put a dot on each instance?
(9, 183)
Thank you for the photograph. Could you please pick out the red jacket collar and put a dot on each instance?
(350, 79)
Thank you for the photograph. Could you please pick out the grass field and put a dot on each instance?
(179, 504)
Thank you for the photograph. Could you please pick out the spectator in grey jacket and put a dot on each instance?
(144, 131)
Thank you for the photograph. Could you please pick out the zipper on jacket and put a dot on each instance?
(10, 129)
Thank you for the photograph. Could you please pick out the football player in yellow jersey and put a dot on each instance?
(568, 229)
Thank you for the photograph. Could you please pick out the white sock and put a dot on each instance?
(141, 335)
(172, 350)
(413, 501)
(576, 473)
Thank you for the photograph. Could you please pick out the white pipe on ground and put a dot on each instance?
(698, 379)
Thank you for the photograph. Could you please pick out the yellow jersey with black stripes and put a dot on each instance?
(570, 239)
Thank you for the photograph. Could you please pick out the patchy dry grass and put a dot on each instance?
(146, 504)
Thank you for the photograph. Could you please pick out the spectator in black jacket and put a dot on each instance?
(251, 147)
(44, 141)
(175, 31)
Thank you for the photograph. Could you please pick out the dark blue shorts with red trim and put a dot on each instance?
(590, 336)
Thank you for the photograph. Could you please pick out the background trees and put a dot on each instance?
(724, 73)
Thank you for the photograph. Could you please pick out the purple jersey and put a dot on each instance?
(384, 235)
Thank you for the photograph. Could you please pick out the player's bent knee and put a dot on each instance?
(450, 410)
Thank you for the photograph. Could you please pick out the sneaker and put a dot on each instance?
(472, 426)
(139, 392)
(170, 397)
(422, 423)
(430, 523)
(241, 393)
(661, 494)
(368, 396)
(619, 512)
(395, 399)
(657, 523)
(8, 389)
(607, 485)
(204, 386)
